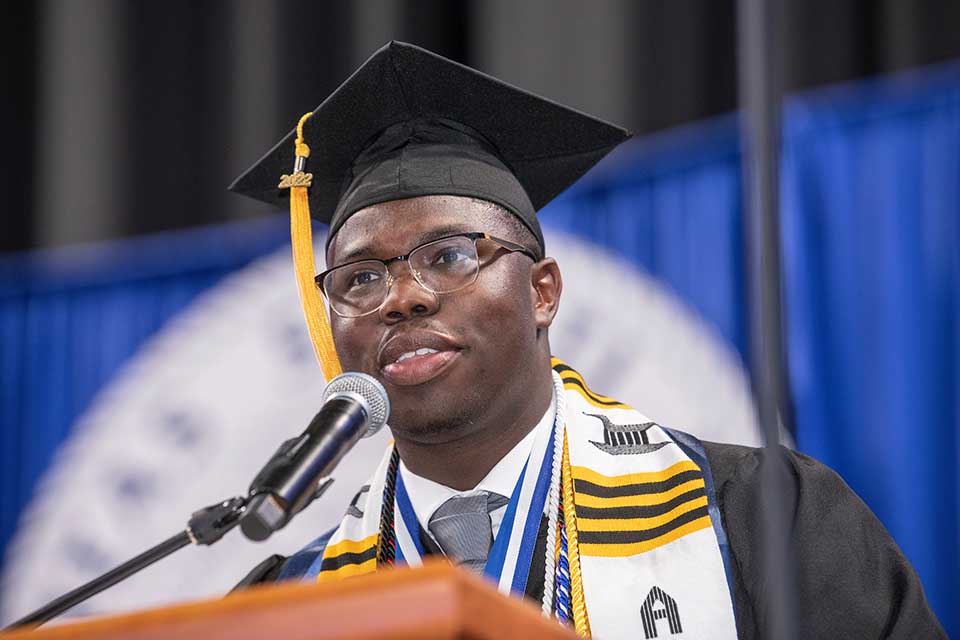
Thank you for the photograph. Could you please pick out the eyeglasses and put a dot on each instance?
(446, 265)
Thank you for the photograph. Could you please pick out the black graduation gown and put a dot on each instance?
(851, 579)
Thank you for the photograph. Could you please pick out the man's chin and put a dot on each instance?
(430, 418)
(431, 431)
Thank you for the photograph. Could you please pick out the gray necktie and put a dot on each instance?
(462, 528)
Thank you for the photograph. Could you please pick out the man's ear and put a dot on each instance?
(546, 286)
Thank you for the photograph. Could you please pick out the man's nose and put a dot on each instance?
(407, 298)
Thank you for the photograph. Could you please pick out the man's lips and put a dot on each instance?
(419, 369)
(416, 358)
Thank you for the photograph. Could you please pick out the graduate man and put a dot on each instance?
(430, 175)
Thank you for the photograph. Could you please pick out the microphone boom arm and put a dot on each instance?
(205, 527)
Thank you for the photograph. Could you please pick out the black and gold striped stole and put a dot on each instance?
(620, 516)
(573, 381)
(349, 558)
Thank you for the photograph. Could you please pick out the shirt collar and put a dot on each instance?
(426, 496)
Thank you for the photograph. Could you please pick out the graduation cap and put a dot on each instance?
(411, 123)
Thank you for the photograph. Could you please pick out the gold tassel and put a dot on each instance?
(304, 263)
(578, 606)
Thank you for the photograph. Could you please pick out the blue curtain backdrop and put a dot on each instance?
(871, 228)
(871, 241)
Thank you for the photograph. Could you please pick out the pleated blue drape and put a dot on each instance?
(871, 247)
(871, 228)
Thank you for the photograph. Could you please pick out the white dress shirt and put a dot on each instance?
(426, 496)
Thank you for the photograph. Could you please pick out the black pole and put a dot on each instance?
(107, 580)
(760, 95)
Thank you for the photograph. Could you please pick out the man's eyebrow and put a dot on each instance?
(440, 232)
(364, 251)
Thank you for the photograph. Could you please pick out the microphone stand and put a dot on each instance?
(205, 527)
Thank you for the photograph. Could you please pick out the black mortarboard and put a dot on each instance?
(410, 123)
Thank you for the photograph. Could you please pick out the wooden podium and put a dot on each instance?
(433, 602)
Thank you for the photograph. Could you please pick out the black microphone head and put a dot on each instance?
(262, 517)
(366, 390)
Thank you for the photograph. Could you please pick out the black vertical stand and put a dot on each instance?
(760, 94)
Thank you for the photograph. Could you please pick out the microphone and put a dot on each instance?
(354, 406)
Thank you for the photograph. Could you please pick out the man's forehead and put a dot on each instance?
(397, 226)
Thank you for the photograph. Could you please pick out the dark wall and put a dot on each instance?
(18, 44)
(131, 117)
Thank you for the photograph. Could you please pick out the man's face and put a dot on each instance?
(480, 340)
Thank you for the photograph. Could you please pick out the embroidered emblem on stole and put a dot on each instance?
(650, 613)
(625, 439)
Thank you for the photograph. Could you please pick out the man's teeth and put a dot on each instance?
(418, 352)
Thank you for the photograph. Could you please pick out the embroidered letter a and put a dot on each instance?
(667, 609)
